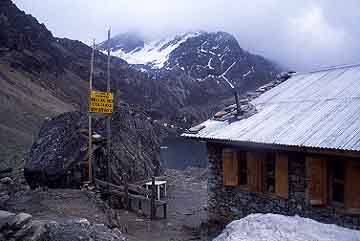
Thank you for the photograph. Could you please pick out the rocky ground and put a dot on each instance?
(51, 215)
(69, 214)
(187, 198)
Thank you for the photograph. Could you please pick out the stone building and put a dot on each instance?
(292, 148)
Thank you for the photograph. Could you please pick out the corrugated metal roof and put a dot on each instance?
(319, 109)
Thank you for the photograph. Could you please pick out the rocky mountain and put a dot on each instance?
(214, 58)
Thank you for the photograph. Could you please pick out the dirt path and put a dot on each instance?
(187, 197)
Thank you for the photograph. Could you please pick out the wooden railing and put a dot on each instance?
(129, 192)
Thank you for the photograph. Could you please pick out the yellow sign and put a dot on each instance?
(101, 102)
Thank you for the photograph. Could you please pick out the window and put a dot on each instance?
(317, 185)
(258, 171)
(230, 168)
(352, 187)
(332, 181)
(234, 168)
(270, 169)
(338, 181)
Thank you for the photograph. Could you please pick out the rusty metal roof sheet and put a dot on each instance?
(318, 109)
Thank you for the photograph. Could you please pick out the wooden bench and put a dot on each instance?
(123, 191)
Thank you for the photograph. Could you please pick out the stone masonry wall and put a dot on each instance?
(229, 203)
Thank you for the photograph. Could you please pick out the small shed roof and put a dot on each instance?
(319, 109)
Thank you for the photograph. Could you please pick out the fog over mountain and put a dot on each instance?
(300, 34)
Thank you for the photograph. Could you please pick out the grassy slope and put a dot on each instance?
(24, 104)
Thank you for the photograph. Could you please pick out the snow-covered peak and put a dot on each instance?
(153, 53)
(212, 58)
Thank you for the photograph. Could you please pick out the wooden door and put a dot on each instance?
(282, 179)
(230, 168)
(317, 180)
(255, 163)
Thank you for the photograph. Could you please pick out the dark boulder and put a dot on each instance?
(59, 156)
(56, 151)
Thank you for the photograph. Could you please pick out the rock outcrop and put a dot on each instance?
(56, 151)
(22, 226)
(59, 156)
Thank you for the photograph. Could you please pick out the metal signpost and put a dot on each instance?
(90, 120)
(108, 121)
(101, 103)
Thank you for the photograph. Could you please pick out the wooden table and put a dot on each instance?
(158, 185)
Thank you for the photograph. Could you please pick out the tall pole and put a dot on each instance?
(90, 119)
(108, 121)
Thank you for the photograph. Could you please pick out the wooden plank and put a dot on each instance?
(114, 189)
(352, 187)
(282, 175)
(103, 184)
(138, 189)
(316, 169)
(255, 162)
(230, 168)
(132, 187)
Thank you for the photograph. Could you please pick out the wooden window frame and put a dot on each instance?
(237, 156)
(317, 190)
(352, 172)
(255, 166)
(281, 175)
(230, 168)
(257, 174)
(344, 207)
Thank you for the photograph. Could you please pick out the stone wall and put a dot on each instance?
(229, 203)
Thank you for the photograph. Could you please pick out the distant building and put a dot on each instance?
(293, 149)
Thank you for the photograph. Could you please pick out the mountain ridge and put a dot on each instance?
(201, 55)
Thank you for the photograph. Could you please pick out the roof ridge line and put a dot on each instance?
(329, 68)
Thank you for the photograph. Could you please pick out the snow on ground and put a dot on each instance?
(154, 53)
(273, 227)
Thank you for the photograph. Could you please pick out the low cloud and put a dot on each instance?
(300, 34)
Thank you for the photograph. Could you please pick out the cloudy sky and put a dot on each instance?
(301, 34)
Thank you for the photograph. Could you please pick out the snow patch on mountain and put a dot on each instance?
(154, 53)
(274, 227)
(209, 64)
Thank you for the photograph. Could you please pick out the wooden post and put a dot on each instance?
(108, 120)
(90, 171)
(153, 196)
